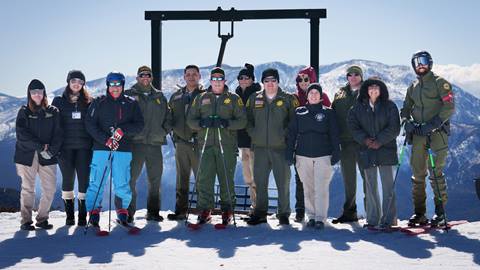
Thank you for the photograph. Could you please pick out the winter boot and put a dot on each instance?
(255, 220)
(204, 217)
(438, 219)
(70, 211)
(311, 223)
(122, 215)
(152, 216)
(417, 220)
(27, 226)
(319, 225)
(300, 216)
(82, 213)
(346, 219)
(283, 220)
(176, 216)
(95, 217)
(44, 225)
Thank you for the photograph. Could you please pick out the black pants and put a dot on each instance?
(75, 160)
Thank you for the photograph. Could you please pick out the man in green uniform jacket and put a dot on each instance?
(147, 145)
(269, 112)
(185, 139)
(427, 108)
(217, 115)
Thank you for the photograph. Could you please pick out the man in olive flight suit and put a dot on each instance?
(269, 111)
(427, 108)
(217, 115)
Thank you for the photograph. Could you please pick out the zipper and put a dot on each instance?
(268, 117)
(421, 99)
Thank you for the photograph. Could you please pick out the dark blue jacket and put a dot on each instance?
(313, 133)
(105, 114)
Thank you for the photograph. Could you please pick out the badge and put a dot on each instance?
(296, 103)
(446, 86)
(240, 102)
(319, 117)
(206, 101)
(258, 103)
(279, 103)
(158, 101)
(76, 115)
(227, 101)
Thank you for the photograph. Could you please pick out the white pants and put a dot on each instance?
(247, 169)
(315, 174)
(48, 180)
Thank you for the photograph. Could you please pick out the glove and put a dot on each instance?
(46, 154)
(118, 134)
(220, 123)
(112, 144)
(375, 145)
(206, 122)
(334, 159)
(409, 127)
(430, 126)
(368, 142)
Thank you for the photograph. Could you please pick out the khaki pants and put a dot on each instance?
(247, 169)
(48, 180)
(315, 174)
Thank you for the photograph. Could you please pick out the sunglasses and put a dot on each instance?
(270, 80)
(217, 78)
(353, 74)
(114, 83)
(77, 81)
(145, 75)
(241, 78)
(304, 79)
(36, 92)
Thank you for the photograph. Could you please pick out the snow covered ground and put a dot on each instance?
(169, 245)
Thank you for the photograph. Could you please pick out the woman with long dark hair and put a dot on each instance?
(39, 137)
(76, 151)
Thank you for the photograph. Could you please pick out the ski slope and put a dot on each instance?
(169, 245)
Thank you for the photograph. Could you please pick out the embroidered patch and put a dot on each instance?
(448, 98)
(206, 101)
(446, 86)
(158, 101)
(259, 103)
(319, 117)
(279, 103)
(227, 101)
(240, 102)
(296, 103)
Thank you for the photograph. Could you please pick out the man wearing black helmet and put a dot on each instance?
(112, 121)
(426, 111)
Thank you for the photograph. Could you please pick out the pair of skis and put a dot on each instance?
(422, 229)
(130, 229)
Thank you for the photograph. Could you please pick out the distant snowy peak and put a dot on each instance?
(467, 77)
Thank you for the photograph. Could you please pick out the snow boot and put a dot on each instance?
(122, 215)
(70, 212)
(95, 217)
(177, 216)
(311, 223)
(300, 216)
(255, 220)
(283, 220)
(418, 220)
(82, 213)
(345, 219)
(438, 220)
(27, 226)
(44, 225)
(319, 225)
(151, 216)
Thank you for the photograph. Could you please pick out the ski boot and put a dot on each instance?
(418, 220)
(94, 217)
(122, 215)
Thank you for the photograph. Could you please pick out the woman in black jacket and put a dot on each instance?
(375, 124)
(75, 154)
(39, 137)
(313, 141)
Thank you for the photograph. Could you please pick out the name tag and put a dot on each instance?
(76, 115)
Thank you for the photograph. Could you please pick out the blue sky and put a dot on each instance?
(45, 39)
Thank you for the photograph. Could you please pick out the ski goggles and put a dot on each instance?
(114, 83)
(304, 79)
(145, 75)
(77, 81)
(35, 92)
(217, 78)
(421, 60)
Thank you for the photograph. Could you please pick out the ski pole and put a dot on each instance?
(197, 175)
(110, 198)
(98, 191)
(432, 163)
(226, 179)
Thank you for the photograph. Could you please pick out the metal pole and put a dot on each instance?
(315, 43)
(156, 52)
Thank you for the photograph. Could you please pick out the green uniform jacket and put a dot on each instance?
(268, 122)
(342, 103)
(428, 96)
(226, 106)
(180, 103)
(154, 107)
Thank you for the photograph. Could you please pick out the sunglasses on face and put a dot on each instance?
(241, 78)
(304, 79)
(217, 78)
(36, 92)
(114, 83)
(145, 75)
(353, 74)
(77, 81)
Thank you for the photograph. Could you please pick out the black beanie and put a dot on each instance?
(35, 84)
(270, 72)
(248, 70)
(218, 70)
(75, 74)
(316, 86)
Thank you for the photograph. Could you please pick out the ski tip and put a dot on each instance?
(193, 226)
(134, 231)
(220, 226)
(102, 233)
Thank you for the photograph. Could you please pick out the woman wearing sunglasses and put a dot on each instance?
(75, 154)
(39, 137)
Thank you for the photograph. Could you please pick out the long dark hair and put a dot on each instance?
(33, 106)
(84, 98)
(363, 95)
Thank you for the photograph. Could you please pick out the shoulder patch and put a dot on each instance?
(446, 86)
(227, 101)
(296, 103)
(279, 103)
(240, 102)
(301, 110)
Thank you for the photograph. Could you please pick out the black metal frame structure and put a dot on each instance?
(232, 15)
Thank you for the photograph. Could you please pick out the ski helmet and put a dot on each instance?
(423, 58)
(115, 76)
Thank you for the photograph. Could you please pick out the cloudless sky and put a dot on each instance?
(46, 39)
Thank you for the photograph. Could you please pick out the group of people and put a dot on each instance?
(116, 134)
